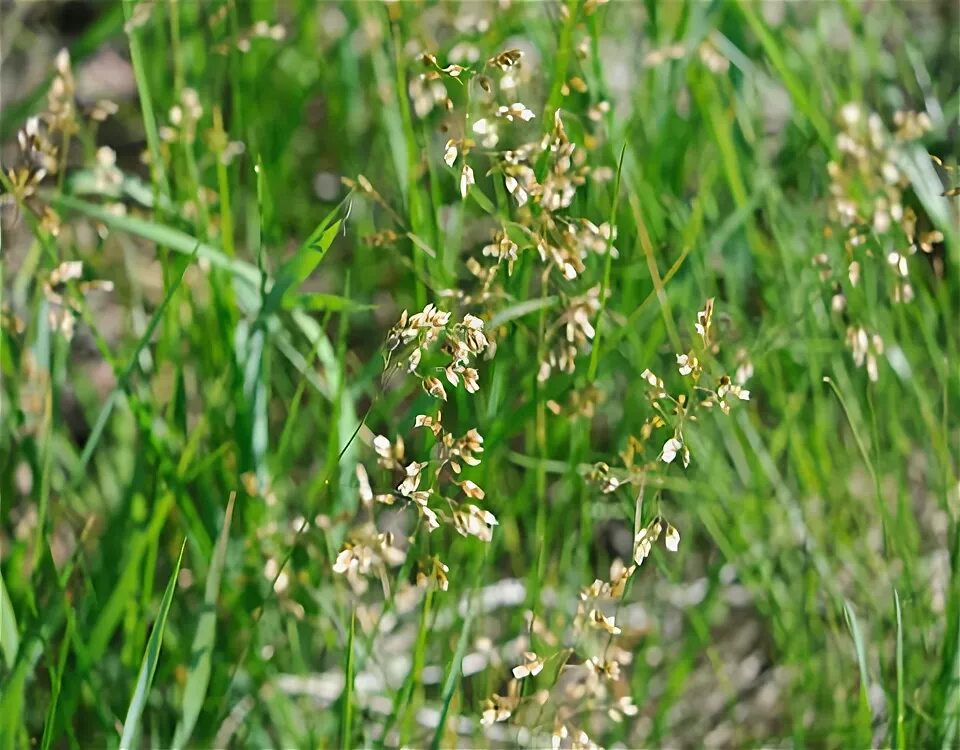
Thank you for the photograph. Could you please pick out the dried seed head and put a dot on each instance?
(433, 423)
(433, 573)
(434, 387)
(497, 708)
(471, 489)
(704, 321)
(469, 520)
(866, 347)
(600, 621)
(506, 60)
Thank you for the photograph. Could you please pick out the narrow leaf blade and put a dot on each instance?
(201, 653)
(148, 666)
(9, 634)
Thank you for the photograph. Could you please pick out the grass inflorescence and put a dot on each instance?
(480, 374)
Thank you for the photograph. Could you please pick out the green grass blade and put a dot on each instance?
(865, 715)
(201, 653)
(160, 234)
(247, 294)
(148, 668)
(56, 680)
(608, 265)
(346, 700)
(9, 634)
(157, 170)
(453, 675)
(792, 82)
(299, 268)
(521, 309)
(323, 302)
(917, 166)
(948, 684)
(109, 616)
(901, 737)
(753, 131)
(403, 695)
(123, 378)
(256, 394)
(12, 697)
(560, 63)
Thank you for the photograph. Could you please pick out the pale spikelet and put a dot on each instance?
(391, 455)
(366, 493)
(469, 520)
(711, 57)
(65, 291)
(433, 573)
(672, 448)
(532, 666)
(866, 348)
(368, 553)
(471, 489)
(506, 60)
(487, 131)
(602, 622)
(866, 209)
(517, 111)
(411, 481)
(450, 152)
(435, 388)
(498, 708)
(672, 538)
(704, 321)
(432, 423)
(688, 364)
(466, 180)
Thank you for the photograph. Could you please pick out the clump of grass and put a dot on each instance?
(443, 528)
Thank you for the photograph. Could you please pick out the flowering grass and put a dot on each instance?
(480, 375)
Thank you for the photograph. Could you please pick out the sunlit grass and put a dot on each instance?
(482, 374)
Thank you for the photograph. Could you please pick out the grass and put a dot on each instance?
(178, 451)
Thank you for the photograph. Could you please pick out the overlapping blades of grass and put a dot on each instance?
(201, 652)
(148, 668)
